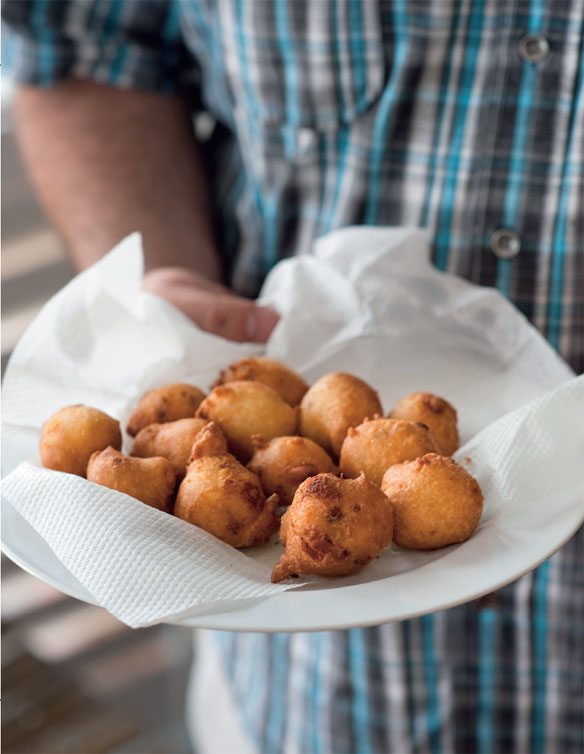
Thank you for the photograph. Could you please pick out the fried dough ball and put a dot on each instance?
(377, 444)
(72, 434)
(334, 527)
(435, 501)
(165, 404)
(151, 480)
(289, 385)
(222, 497)
(332, 405)
(436, 413)
(284, 462)
(243, 409)
(173, 441)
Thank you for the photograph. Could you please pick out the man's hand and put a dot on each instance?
(212, 306)
(106, 162)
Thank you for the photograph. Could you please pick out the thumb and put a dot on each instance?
(233, 317)
(212, 306)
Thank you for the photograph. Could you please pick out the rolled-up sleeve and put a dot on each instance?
(126, 43)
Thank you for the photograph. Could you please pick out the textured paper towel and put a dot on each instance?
(368, 302)
(140, 563)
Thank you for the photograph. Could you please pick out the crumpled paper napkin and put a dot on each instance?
(369, 302)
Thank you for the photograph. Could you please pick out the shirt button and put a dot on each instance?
(534, 48)
(505, 243)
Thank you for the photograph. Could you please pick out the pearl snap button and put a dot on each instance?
(505, 243)
(534, 48)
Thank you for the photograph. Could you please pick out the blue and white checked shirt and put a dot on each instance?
(464, 116)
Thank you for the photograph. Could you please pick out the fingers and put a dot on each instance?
(212, 307)
(231, 317)
(260, 323)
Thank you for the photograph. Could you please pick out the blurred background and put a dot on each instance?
(74, 678)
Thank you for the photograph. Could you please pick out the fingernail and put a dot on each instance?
(260, 323)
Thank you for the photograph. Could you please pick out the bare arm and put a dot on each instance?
(106, 162)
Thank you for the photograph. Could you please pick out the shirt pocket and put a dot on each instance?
(302, 64)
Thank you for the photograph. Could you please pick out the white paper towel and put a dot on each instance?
(367, 302)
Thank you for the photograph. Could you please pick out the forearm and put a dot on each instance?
(106, 162)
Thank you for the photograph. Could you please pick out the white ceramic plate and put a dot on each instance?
(432, 332)
(494, 556)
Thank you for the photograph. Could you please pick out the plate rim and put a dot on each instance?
(221, 621)
(199, 622)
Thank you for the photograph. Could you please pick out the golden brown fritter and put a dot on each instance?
(222, 497)
(436, 413)
(165, 404)
(377, 444)
(289, 385)
(332, 405)
(284, 462)
(435, 501)
(334, 527)
(243, 409)
(72, 434)
(151, 480)
(173, 440)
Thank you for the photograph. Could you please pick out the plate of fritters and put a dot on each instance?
(366, 506)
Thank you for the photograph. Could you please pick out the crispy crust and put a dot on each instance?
(334, 527)
(73, 434)
(168, 403)
(332, 405)
(151, 480)
(289, 385)
(439, 415)
(222, 497)
(173, 441)
(284, 462)
(377, 444)
(436, 502)
(243, 409)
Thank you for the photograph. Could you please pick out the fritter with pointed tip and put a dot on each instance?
(289, 385)
(284, 462)
(375, 445)
(436, 502)
(334, 527)
(173, 441)
(332, 405)
(222, 497)
(165, 404)
(243, 409)
(72, 434)
(151, 480)
(439, 416)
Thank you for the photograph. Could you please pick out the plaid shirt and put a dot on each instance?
(465, 116)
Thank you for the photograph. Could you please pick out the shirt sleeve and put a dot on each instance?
(125, 43)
